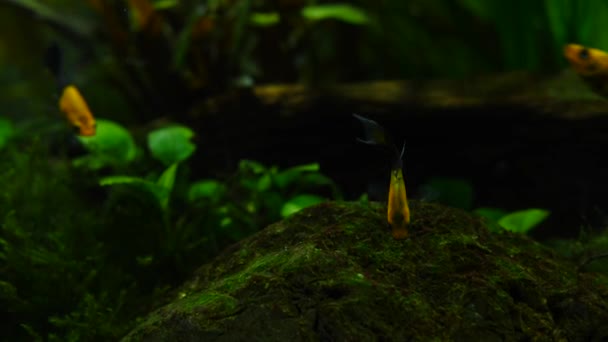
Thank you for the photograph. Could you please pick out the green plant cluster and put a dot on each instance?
(83, 253)
(458, 193)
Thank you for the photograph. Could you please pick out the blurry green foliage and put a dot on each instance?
(259, 195)
(523, 220)
(52, 259)
(6, 131)
(64, 272)
(265, 18)
(458, 193)
(299, 202)
(112, 145)
(171, 144)
(338, 11)
(160, 189)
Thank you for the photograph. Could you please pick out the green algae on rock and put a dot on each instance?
(333, 272)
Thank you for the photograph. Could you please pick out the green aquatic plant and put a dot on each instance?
(521, 221)
(7, 130)
(458, 193)
(111, 146)
(337, 11)
(258, 195)
(171, 146)
(56, 280)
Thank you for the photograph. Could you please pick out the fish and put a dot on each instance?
(398, 211)
(77, 111)
(71, 103)
(591, 65)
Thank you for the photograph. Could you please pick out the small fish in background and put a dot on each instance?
(71, 102)
(591, 65)
(398, 214)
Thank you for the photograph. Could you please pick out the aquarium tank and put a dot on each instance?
(310, 170)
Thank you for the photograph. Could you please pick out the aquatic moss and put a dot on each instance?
(333, 272)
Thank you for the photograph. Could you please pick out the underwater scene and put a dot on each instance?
(303, 170)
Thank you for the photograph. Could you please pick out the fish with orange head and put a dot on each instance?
(398, 211)
(591, 65)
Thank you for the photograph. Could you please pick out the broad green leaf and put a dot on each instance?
(208, 188)
(112, 144)
(265, 19)
(524, 220)
(293, 174)
(300, 202)
(159, 193)
(6, 131)
(171, 144)
(343, 12)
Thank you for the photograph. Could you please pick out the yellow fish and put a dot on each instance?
(591, 65)
(76, 110)
(398, 213)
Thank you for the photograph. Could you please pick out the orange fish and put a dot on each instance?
(77, 111)
(398, 213)
(591, 65)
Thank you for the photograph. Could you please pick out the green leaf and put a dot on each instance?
(524, 220)
(111, 145)
(6, 131)
(167, 178)
(291, 175)
(165, 4)
(253, 166)
(159, 194)
(182, 45)
(208, 188)
(171, 144)
(343, 12)
(300, 202)
(265, 19)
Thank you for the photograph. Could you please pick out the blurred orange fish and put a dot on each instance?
(591, 65)
(76, 110)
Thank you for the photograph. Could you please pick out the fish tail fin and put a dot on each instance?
(398, 162)
(374, 133)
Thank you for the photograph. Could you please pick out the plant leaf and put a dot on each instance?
(112, 144)
(208, 188)
(159, 193)
(524, 220)
(343, 12)
(265, 19)
(167, 181)
(286, 177)
(299, 202)
(6, 131)
(171, 144)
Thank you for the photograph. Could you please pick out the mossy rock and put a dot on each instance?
(334, 273)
